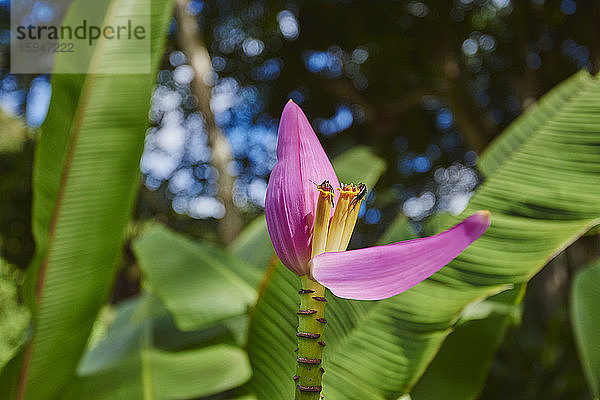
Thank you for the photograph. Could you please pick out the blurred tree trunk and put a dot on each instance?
(190, 42)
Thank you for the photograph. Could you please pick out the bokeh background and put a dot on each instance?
(425, 84)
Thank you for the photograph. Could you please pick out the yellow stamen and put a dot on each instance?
(344, 218)
(336, 228)
(349, 225)
(321, 224)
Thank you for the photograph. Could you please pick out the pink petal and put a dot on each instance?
(291, 196)
(380, 272)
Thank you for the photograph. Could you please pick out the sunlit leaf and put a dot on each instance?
(199, 283)
(253, 244)
(359, 164)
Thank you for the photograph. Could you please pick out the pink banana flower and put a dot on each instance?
(310, 238)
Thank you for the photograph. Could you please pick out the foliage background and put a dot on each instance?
(437, 79)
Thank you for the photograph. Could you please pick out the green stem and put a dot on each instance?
(311, 323)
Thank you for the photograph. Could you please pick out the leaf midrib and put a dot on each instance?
(75, 131)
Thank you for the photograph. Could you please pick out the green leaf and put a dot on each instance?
(85, 177)
(507, 303)
(459, 370)
(437, 223)
(271, 335)
(131, 363)
(253, 244)
(359, 164)
(542, 197)
(199, 283)
(122, 339)
(585, 319)
(399, 230)
(14, 317)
